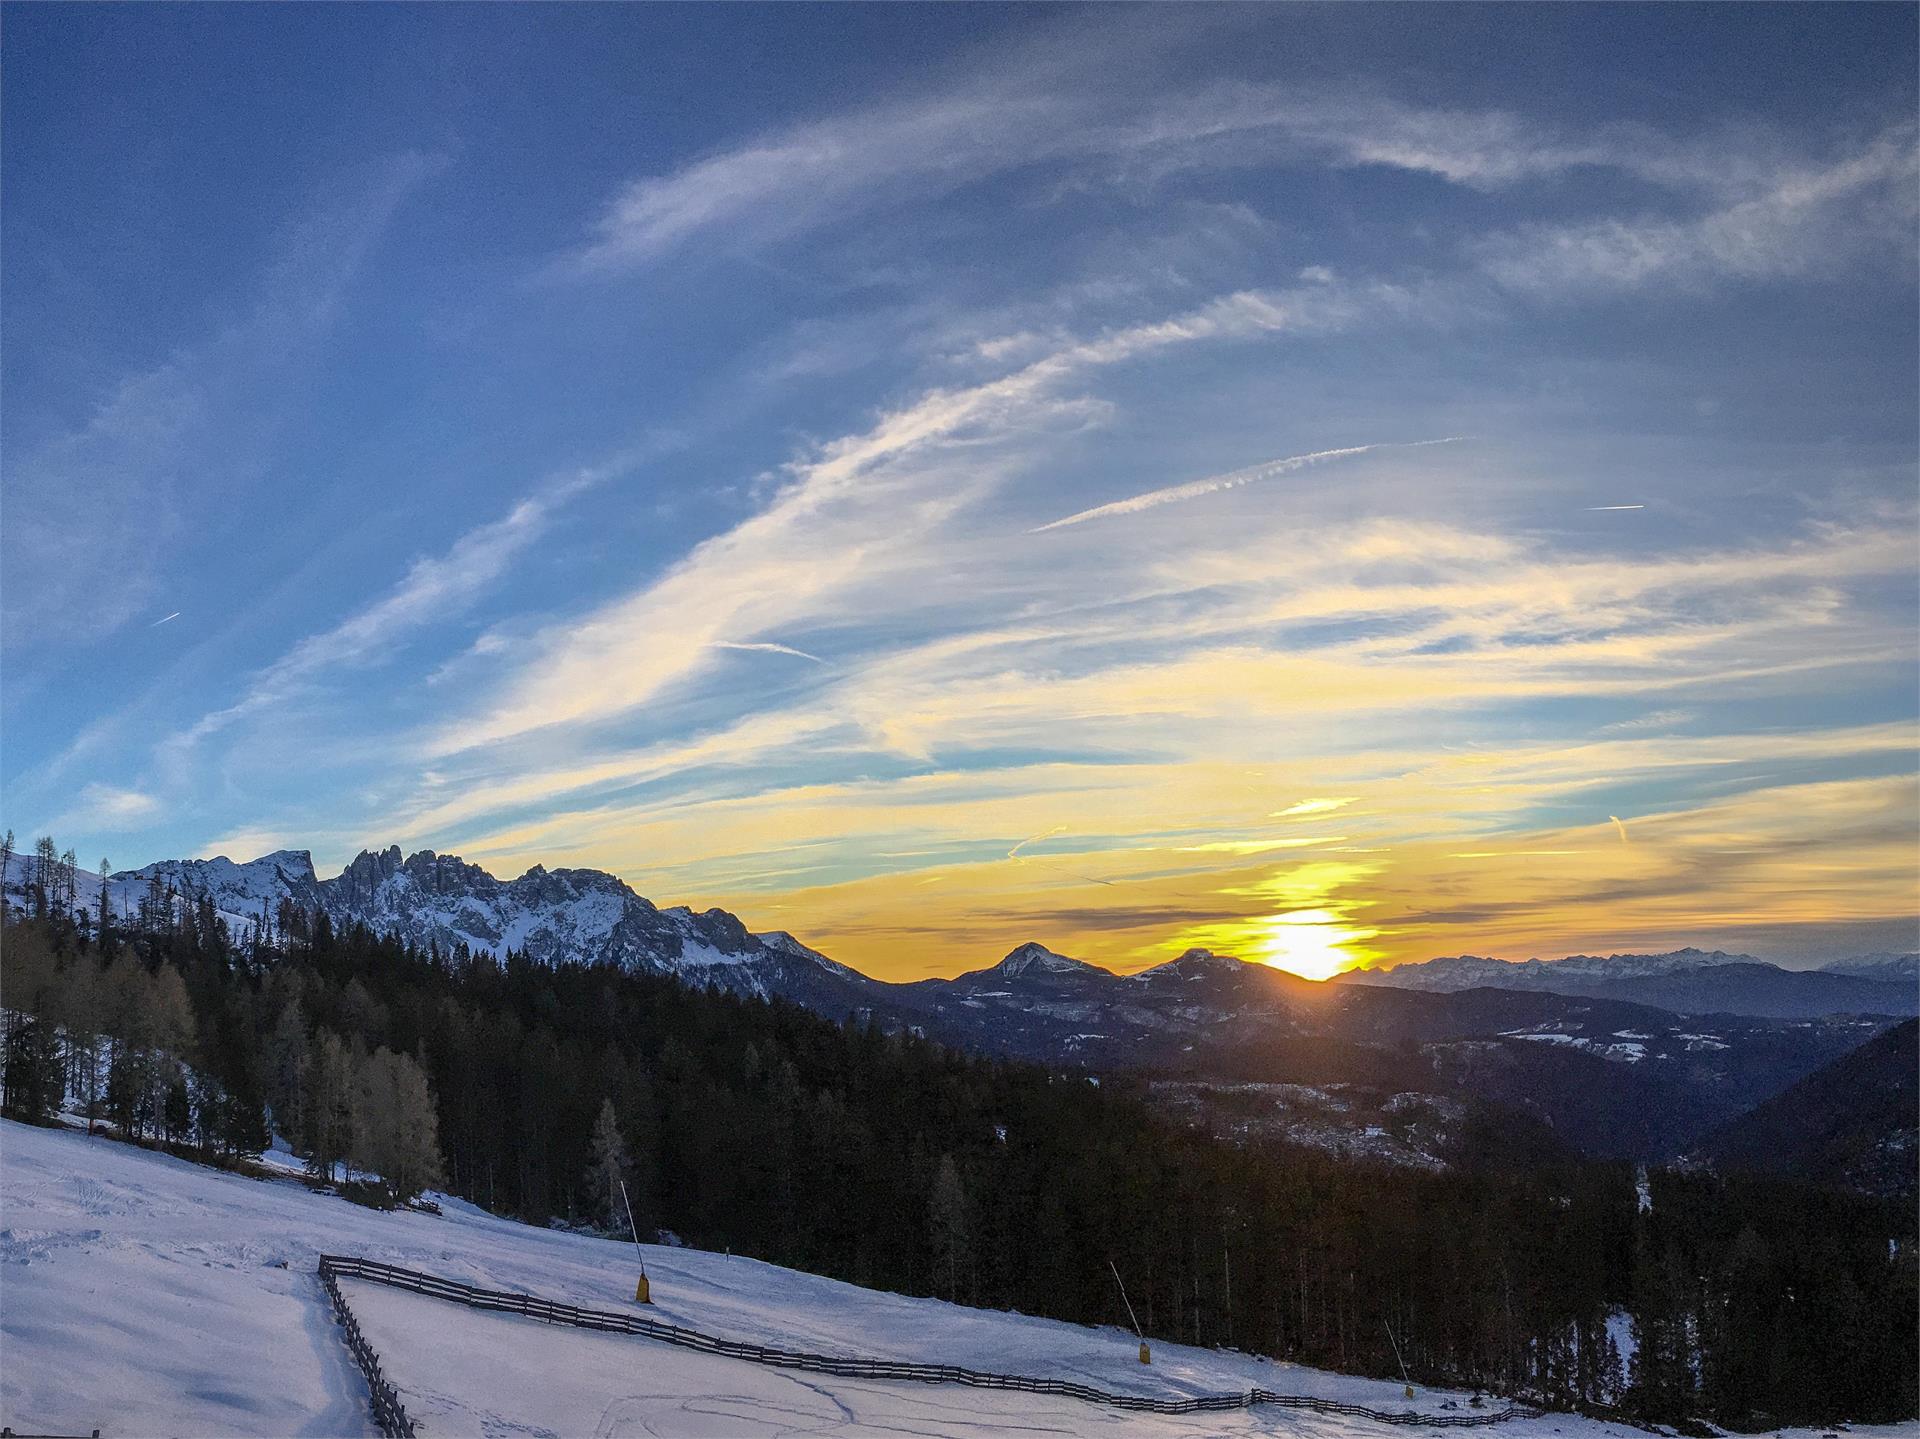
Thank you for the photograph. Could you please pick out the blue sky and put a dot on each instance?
(640, 436)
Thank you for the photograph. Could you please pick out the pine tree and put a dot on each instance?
(45, 862)
(85, 1016)
(1662, 1369)
(177, 1115)
(35, 1072)
(287, 1058)
(105, 936)
(69, 884)
(609, 1169)
(947, 1225)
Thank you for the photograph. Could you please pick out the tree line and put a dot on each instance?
(890, 1161)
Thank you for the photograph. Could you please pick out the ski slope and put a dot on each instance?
(145, 1295)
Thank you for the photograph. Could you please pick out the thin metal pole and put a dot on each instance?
(1396, 1354)
(633, 1229)
(1124, 1300)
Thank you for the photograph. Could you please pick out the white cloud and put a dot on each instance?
(105, 809)
(766, 647)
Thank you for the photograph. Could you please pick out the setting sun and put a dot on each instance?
(1312, 943)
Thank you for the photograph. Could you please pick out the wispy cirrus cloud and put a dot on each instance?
(1806, 218)
(91, 511)
(857, 506)
(1176, 706)
(1045, 112)
(434, 589)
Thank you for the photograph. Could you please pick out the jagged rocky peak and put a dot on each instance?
(542, 886)
(724, 931)
(447, 874)
(368, 871)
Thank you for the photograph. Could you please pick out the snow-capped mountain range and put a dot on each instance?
(562, 916)
(1689, 981)
(1585, 1044)
(1472, 971)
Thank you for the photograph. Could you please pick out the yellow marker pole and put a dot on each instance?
(642, 1291)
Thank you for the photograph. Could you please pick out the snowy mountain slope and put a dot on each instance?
(1890, 968)
(241, 890)
(466, 1372)
(581, 916)
(1472, 971)
(146, 1295)
(150, 1295)
(241, 893)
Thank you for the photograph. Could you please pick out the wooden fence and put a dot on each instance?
(547, 1310)
(388, 1413)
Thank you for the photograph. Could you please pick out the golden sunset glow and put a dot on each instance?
(1426, 861)
(1348, 805)
(1311, 943)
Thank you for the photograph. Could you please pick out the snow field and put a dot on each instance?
(145, 1295)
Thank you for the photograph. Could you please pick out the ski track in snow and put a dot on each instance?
(145, 1295)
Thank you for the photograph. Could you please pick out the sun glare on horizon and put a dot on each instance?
(1312, 943)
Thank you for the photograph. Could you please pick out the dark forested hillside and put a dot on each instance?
(1855, 1122)
(891, 1161)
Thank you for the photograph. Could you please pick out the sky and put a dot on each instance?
(1334, 485)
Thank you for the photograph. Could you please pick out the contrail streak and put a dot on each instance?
(767, 648)
(159, 622)
(1621, 825)
(1014, 853)
(1194, 489)
(1597, 509)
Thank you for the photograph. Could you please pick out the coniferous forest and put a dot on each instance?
(892, 1162)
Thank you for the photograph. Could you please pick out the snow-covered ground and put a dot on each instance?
(144, 1295)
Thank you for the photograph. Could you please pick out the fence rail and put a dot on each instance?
(389, 1415)
(533, 1307)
